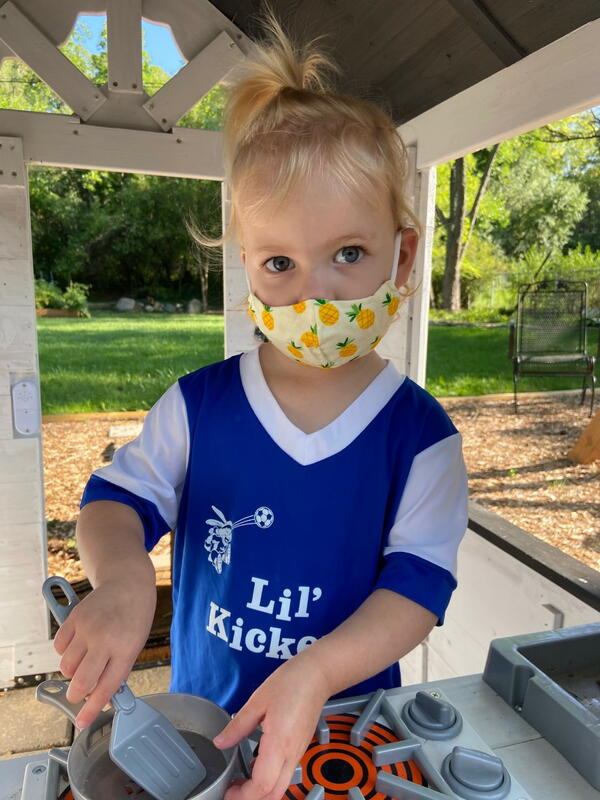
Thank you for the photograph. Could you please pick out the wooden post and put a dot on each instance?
(24, 631)
(587, 447)
(405, 344)
(239, 330)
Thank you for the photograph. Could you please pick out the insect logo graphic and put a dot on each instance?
(220, 533)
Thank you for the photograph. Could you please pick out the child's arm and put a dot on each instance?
(287, 705)
(103, 635)
(127, 506)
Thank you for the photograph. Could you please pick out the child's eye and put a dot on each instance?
(351, 254)
(278, 264)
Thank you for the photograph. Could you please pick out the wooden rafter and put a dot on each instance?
(554, 82)
(31, 45)
(60, 141)
(489, 30)
(193, 81)
(124, 40)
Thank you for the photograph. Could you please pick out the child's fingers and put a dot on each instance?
(267, 770)
(243, 724)
(63, 638)
(264, 784)
(86, 676)
(107, 685)
(72, 657)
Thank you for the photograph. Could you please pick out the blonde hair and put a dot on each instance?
(282, 116)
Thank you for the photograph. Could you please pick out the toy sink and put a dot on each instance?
(553, 680)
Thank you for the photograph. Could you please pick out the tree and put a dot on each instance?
(528, 195)
(539, 182)
(117, 232)
(459, 223)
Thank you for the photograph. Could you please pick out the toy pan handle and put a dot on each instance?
(59, 612)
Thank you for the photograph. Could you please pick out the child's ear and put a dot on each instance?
(408, 251)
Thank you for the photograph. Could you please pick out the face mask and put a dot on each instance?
(330, 333)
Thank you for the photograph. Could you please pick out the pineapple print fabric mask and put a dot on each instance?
(330, 333)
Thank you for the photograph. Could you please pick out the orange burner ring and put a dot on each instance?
(340, 765)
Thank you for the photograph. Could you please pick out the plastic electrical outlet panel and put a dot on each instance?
(26, 407)
(520, 670)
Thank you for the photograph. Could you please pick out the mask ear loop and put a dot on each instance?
(397, 245)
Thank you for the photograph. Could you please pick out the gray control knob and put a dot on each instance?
(431, 718)
(476, 775)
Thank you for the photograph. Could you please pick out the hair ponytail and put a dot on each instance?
(284, 118)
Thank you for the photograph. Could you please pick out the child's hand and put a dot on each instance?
(100, 641)
(287, 707)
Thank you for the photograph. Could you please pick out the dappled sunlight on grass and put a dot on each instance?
(124, 362)
(121, 362)
(472, 361)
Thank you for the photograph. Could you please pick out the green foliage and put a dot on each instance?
(118, 233)
(542, 199)
(483, 260)
(74, 297)
(48, 295)
(121, 233)
(539, 218)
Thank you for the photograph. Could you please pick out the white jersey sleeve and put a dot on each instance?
(154, 464)
(432, 515)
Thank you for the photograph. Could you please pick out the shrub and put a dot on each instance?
(48, 295)
(74, 297)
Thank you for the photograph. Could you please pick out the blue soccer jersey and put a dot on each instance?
(282, 535)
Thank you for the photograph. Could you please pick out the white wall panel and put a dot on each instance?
(497, 596)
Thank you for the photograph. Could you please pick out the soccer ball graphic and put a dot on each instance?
(264, 517)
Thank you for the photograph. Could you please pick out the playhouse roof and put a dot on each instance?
(418, 54)
(413, 54)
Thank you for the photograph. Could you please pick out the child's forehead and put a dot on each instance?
(314, 205)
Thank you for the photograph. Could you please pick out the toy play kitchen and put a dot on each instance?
(527, 729)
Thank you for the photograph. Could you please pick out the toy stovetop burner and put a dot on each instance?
(339, 765)
(358, 740)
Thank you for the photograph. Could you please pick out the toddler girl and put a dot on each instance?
(318, 496)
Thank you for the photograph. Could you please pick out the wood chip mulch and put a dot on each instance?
(517, 468)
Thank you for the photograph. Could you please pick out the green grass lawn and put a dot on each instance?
(123, 362)
(472, 361)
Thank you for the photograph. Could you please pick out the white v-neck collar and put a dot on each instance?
(308, 448)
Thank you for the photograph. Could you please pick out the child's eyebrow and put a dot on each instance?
(277, 248)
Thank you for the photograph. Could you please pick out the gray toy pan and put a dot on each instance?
(92, 774)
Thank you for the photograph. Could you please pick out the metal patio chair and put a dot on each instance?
(550, 334)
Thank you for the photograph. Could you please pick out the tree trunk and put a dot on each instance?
(456, 242)
(454, 229)
(204, 285)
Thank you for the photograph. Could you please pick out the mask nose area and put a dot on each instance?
(315, 284)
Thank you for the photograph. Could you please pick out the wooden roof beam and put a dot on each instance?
(489, 30)
(124, 35)
(193, 81)
(556, 81)
(58, 140)
(28, 42)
